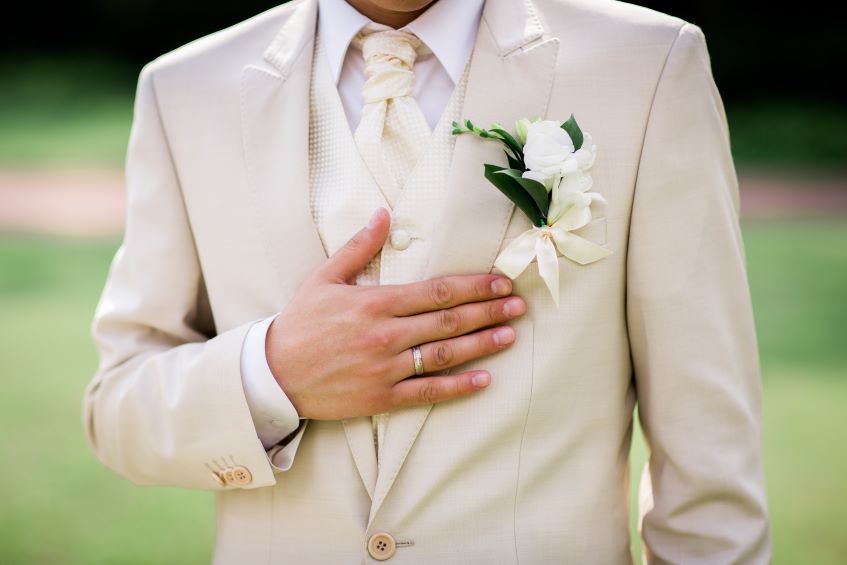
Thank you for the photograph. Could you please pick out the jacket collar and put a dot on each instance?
(513, 24)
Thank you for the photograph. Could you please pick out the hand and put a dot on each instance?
(339, 350)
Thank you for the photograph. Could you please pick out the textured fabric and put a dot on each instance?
(343, 194)
(393, 132)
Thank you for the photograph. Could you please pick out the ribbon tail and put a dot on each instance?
(518, 254)
(577, 248)
(596, 197)
(548, 266)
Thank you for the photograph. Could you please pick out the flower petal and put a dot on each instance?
(540, 177)
(577, 181)
(574, 217)
(596, 197)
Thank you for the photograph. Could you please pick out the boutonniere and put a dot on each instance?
(548, 179)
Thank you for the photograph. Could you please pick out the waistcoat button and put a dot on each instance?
(381, 546)
(400, 239)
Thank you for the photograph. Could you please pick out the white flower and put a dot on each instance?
(552, 160)
(549, 154)
(547, 148)
(571, 198)
(521, 127)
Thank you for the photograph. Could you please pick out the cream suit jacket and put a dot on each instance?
(532, 470)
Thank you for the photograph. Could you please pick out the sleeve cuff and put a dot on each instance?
(274, 416)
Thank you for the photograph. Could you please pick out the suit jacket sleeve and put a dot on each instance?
(166, 405)
(691, 328)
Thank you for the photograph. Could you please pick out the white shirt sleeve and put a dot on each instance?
(273, 414)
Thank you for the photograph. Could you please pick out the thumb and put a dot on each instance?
(351, 259)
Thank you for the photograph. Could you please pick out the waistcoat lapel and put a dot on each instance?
(511, 74)
(274, 98)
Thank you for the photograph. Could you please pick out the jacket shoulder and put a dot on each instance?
(228, 48)
(610, 20)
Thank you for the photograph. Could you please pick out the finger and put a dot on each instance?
(428, 390)
(351, 259)
(456, 321)
(441, 355)
(445, 292)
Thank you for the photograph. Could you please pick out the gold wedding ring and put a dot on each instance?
(416, 355)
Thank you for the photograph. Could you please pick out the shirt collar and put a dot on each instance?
(447, 27)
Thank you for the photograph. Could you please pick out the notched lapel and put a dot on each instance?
(509, 78)
(274, 107)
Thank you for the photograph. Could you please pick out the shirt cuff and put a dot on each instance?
(274, 416)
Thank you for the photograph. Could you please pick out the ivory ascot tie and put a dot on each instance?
(393, 131)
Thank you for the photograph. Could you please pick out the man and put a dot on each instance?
(304, 315)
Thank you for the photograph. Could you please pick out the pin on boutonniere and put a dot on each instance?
(548, 179)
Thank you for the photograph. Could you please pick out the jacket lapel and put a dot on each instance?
(274, 101)
(510, 77)
(274, 98)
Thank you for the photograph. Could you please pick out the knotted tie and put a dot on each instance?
(393, 131)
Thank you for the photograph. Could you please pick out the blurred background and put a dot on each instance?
(67, 80)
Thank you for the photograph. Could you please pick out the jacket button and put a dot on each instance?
(400, 239)
(242, 476)
(227, 475)
(381, 546)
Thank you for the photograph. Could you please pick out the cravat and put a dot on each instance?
(393, 131)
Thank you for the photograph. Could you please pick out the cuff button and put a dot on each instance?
(219, 480)
(242, 476)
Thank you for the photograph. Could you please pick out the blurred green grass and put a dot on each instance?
(61, 506)
(76, 111)
(64, 112)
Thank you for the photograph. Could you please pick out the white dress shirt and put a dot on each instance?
(448, 29)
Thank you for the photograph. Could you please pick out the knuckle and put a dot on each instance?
(494, 311)
(357, 241)
(449, 321)
(428, 392)
(443, 355)
(379, 370)
(372, 303)
(381, 339)
(440, 293)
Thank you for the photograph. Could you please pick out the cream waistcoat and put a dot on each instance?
(343, 193)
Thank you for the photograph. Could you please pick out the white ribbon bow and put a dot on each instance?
(544, 241)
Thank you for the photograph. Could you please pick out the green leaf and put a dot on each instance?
(514, 192)
(511, 143)
(534, 188)
(574, 132)
(513, 163)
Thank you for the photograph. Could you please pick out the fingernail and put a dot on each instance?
(372, 222)
(504, 335)
(501, 287)
(514, 307)
(481, 379)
